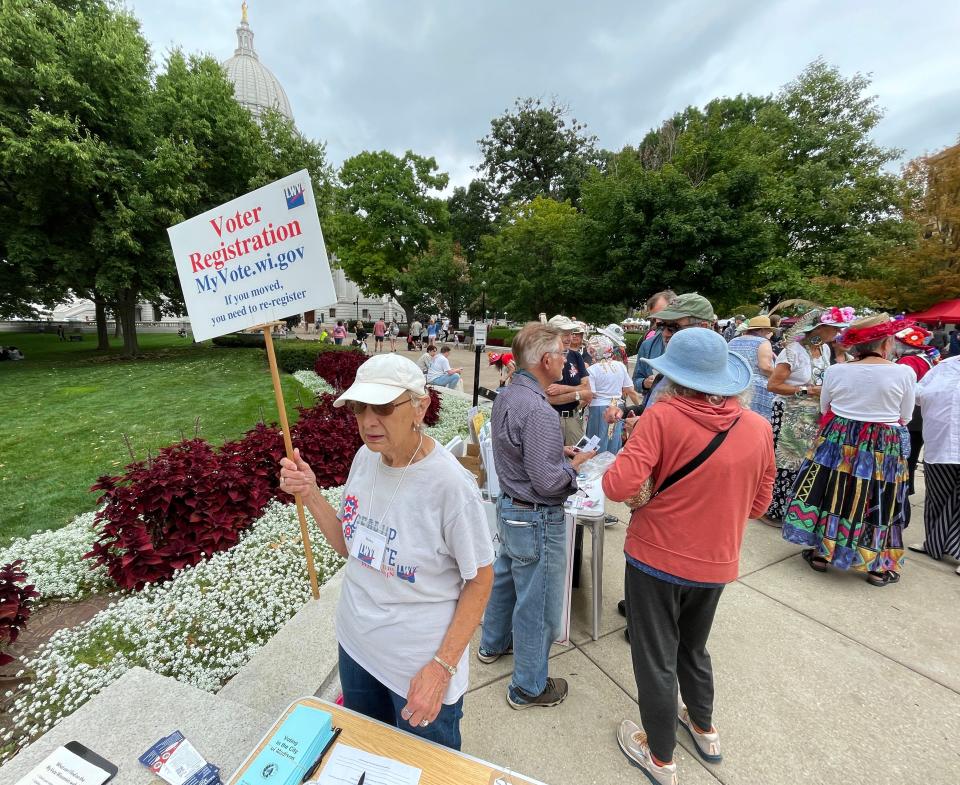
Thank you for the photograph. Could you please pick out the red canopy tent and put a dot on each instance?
(947, 312)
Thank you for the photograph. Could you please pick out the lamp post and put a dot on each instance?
(357, 303)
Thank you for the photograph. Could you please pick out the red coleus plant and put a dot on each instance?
(16, 601)
(193, 500)
(432, 417)
(338, 369)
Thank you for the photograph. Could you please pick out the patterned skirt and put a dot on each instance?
(849, 496)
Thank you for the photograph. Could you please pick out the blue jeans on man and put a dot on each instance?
(526, 603)
(365, 694)
(450, 380)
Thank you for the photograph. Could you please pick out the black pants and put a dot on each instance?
(669, 626)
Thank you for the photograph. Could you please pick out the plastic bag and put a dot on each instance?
(596, 467)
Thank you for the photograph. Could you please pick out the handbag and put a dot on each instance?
(646, 494)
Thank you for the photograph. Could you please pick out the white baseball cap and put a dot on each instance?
(382, 378)
(563, 323)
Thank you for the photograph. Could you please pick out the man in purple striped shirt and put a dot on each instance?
(523, 614)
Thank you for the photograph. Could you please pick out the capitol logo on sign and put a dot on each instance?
(294, 196)
(269, 770)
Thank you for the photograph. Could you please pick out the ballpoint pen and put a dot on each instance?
(326, 748)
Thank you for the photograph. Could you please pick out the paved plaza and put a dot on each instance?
(819, 679)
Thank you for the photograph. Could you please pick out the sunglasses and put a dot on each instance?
(672, 327)
(379, 409)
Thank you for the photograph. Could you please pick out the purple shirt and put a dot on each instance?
(528, 444)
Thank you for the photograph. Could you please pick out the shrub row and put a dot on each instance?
(293, 356)
(240, 341)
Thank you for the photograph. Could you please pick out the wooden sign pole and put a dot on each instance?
(288, 444)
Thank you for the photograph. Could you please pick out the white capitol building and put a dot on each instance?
(256, 88)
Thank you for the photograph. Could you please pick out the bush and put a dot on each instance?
(240, 341)
(339, 368)
(432, 416)
(190, 501)
(328, 439)
(293, 356)
(16, 600)
(503, 333)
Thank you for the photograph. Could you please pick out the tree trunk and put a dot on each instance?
(103, 337)
(117, 330)
(127, 313)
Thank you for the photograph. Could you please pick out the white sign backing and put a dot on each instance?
(255, 259)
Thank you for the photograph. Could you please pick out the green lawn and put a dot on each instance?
(65, 408)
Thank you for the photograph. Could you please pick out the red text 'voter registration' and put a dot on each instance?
(267, 236)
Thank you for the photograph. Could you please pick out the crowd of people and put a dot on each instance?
(806, 428)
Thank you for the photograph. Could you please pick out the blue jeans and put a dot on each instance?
(365, 694)
(528, 587)
(596, 426)
(450, 380)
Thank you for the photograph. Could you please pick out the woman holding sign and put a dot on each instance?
(418, 576)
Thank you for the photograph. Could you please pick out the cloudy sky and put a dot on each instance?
(429, 76)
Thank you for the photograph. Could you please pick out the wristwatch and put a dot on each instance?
(576, 396)
(804, 390)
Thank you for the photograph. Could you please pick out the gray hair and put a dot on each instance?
(671, 389)
(667, 294)
(861, 349)
(533, 341)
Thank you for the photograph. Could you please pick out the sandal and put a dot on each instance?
(883, 578)
(817, 563)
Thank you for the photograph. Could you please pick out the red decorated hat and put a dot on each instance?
(872, 328)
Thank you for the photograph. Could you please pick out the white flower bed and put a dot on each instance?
(315, 384)
(200, 627)
(55, 563)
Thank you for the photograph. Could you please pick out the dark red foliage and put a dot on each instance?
(338, 369)
(432, 417)
(328, 439)
(188, 502)
(192, 500)
(16, 601)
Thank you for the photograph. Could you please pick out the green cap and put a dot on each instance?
(691, 305)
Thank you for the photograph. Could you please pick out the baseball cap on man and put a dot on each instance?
(564, 323)
(691, 305)
(382, 379)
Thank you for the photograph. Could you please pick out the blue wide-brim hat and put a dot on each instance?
(699, 359)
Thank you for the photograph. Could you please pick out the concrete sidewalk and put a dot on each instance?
(819, 679)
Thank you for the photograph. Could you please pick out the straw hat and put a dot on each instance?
(759, 323)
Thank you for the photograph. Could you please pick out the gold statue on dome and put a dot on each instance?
(243, 9)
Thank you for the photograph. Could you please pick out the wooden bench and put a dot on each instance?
(74, 337)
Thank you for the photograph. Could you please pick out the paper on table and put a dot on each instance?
(62, 767)
(346, 764)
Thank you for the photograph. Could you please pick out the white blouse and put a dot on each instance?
(869, 392)
(801, 367)
(939, 397)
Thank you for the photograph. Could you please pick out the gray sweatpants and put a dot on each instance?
(669, 625)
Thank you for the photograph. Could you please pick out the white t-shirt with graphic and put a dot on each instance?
(393, 620)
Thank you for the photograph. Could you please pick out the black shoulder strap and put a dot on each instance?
(695, 462)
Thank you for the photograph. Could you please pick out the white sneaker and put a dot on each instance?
(707, 744)
(633, 742)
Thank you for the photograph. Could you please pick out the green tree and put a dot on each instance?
(536, 149)
(827, 189)
(534, 263)
(472, 215)
(440, 279)
(386, 219)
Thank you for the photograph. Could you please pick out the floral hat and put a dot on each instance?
(601, 346)
(872, 328)
(821, 317)
(911, 334)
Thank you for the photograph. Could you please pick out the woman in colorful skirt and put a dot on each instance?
(796, 379)
(848, 500)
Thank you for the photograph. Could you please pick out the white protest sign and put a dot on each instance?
(253, 260)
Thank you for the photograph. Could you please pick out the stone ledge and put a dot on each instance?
(139, 709)
(300, 659)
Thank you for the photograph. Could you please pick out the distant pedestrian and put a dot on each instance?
(61, 333)
(954, 343)
(339, 333)
(416, 333)
(379, 333)
(393, 331)
(432, 329)
(754, 346)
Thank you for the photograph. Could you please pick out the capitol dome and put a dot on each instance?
(254, 85)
